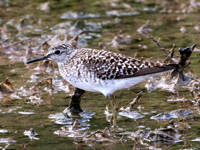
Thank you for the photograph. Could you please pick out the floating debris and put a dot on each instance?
(164, 84)
(34, 92)
(3, 131)
(74, 130)
(60, 118)
(6, 87)
(43, 47)
(132, 114)
(139, 137)
(177, 99)
(29, 54)
(7, 140)
(144, 28)
(127, 112)
(45, 66)
(140, 134)
(63, 85)
(100, 136)
(66, 118)
(36, 100)
(135, 101)
(78, 15)
(162, 135)
(13, 109)
(181, 125)
(117, 13)
(196, 139)
(121, 39)
(15, 96)
(26, 112)
(173, 114)
(31, 134)
(183, 30)
(44, 7)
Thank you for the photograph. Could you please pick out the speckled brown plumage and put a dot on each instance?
(109, 65)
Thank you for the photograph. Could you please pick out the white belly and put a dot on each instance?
(113, 85)
(87, 86)
(107, 87)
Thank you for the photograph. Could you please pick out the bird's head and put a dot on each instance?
(59, 54)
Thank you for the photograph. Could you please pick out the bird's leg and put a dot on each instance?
(114, 107)
(74, 105)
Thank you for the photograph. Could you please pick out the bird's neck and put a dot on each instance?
(68, 61)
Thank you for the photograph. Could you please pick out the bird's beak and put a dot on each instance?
(37, 59)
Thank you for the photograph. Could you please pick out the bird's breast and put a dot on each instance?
(80, 77)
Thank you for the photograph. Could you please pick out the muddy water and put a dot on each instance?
(33, 119)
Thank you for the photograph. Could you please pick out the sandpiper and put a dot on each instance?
(100, 70)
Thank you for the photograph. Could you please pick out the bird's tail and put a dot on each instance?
(156, 70)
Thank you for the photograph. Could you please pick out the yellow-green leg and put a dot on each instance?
(114, 108)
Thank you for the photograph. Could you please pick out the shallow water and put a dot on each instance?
(31, 116)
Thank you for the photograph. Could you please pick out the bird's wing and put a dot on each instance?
(110, 65)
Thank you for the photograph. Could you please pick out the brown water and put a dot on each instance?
(175, 22)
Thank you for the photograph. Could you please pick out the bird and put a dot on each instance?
(101, 71)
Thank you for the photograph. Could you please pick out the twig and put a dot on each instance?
(135, 100)
(160, 46)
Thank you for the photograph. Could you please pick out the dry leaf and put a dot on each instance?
(6, 87)
(44, 7)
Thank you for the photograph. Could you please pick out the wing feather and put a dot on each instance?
(110, 65)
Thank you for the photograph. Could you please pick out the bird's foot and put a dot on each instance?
(72, 111)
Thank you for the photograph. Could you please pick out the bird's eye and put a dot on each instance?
(57, 52)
